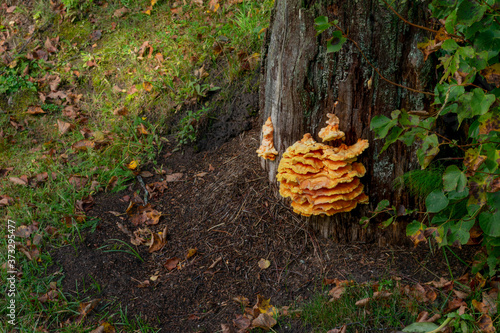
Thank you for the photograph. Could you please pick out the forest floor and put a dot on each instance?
(101, 102)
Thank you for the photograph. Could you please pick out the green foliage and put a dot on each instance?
(188, 126)
(334, 44)
(466, 195)
(11, 82)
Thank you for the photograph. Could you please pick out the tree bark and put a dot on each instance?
(300, 83)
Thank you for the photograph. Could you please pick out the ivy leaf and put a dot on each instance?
(321, 24)
(381, 125)
(489, 223)
(392, 137)
(382, 205)
(335, 44)
(455, 195)
(454, 179)
(436, 201)
(449, 45)
(428, 151)
(387, 222)
(469, 12)
(475, 103)
(413, 228)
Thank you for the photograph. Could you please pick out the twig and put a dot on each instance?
(408, 22)
(146, 193)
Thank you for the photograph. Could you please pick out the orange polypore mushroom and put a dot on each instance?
(322, 179)
(331, 132)
(266, 149)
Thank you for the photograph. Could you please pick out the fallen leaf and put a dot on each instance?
(213, 5)
(490, 299)
(19, 181)
(25, 231)
(363, 302)
(242, 322)
(35, 110)
(11, 9)
(174, 177)
(241, 300)
(83, 145)
(454, 304)
(63, 126)
(146, 174)
(343, 329)
(171, 263)
(85, 308)
(133, 165)
(104, 328)
(141, 130)
(201, 174)
(486, 324)
(49, 46)
(120, 12)
(191, 253)
(264, 321)
(122, 111)
(158, 241)
(336, 292)
(111, 183)
(227, 328)
(147, 86)
(78, 181)
(264, 263)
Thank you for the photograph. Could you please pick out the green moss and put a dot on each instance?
(75, 32)
(20, 102)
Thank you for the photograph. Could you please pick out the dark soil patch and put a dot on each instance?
(232, 216)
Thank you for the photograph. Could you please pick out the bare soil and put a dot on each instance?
(225, 207)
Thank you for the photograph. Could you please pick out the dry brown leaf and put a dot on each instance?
(85, 308)
(104, 328)
(141, 130)
(122, 111)
(343, 329)
(264, 321)
(171, 263)
(174, 177)
(461, 294)
(363, 302)
(83, 145)
(225, 327)
(485, 324)
(120, 12)
(242, 323)
(241, 300)
(35, 110)
(78, 181)
(336, 292)
(63, 126)
(454, 304)
(19, 181)
(49, 46)
(490, 299)
(10, 9)
(111, 183)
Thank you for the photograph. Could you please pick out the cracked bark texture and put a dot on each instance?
(300, 83)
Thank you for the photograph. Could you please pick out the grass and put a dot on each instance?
(102, 75)
(393, 313)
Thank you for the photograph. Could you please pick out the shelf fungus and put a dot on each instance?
(266, 149)
(321, 179)
(331, 132)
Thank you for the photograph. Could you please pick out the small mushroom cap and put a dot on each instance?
(344, 152)
(266, 149)
(331, 132)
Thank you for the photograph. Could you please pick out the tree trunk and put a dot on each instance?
(300, 83)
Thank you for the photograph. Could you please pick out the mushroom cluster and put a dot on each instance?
(321, 179)
(266, 149)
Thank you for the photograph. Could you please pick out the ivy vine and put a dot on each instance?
(464, 208)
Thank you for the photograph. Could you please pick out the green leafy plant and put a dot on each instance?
(188, 126)
(465, 196)
(11, 82)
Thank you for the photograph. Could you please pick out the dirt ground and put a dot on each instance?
(225, 208)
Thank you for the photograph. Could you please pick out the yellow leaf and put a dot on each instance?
(133, 165)
(153, 2)
(147, 86)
